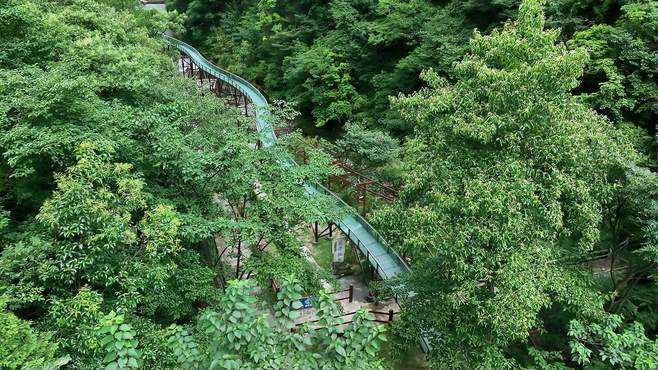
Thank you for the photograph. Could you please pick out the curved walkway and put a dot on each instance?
(386, 262)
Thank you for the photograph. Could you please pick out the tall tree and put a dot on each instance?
(118, 176)
(502, 202)
(620, 78)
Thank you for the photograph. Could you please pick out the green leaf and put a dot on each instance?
(106, 340)
(109, 357)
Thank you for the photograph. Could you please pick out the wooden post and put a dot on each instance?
(363, 200)
(315, 232)
(331, 227)
(390, 315)
(351, 296)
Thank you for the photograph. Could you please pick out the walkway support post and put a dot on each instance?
(390, 315)
(351, 293)
(363, 195)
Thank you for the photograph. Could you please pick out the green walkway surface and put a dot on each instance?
(386, 262)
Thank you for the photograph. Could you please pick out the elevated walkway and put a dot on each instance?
(383, 259)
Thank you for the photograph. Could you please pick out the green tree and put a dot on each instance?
(324, 82)
(503, 197)
(609, 344)
(615, 346)
(629, 246)
(21, 346)
(240, 335)
(93, 228)
(74, 321)
(620, 78)
(367, 148)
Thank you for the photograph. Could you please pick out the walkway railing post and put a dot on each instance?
(351, 296)
(390, 315)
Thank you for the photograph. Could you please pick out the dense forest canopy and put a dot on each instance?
(142, 226)
(506, 179)
(118, 175)
(340, 60)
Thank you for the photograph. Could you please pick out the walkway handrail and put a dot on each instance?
(364, 223)
(268, 137)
